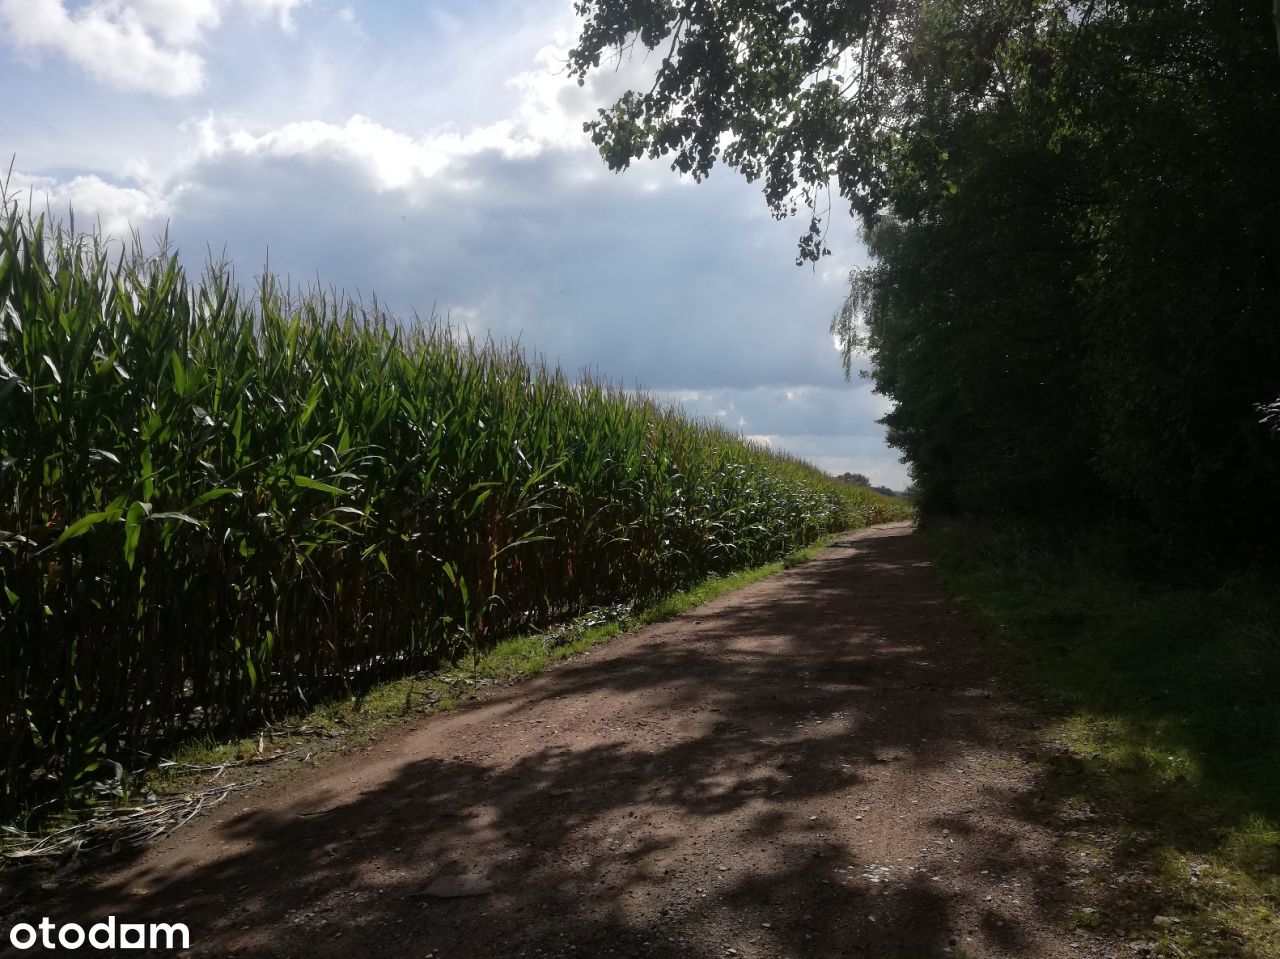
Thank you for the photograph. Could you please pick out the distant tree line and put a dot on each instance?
(1073, 210)
(860, 479)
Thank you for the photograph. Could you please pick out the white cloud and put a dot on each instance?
(281, 10)
(553, 108)
(509, 226)
(391, 160)
(116, 209)
(143, 45)
(176, 22)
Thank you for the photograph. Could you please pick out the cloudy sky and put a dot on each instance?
(433, 152)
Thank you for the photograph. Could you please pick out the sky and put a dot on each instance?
(432, 153)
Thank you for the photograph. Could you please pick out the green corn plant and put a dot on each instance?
(219, 504)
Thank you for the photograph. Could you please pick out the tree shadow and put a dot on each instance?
(744, 777)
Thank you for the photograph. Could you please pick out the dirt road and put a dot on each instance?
(815, 766)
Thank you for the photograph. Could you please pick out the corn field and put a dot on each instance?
(219, 505)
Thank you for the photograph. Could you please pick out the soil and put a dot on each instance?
(818, 765)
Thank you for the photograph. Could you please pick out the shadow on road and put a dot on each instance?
(817, 766)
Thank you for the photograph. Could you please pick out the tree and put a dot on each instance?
(790, 93)
(1074, 215)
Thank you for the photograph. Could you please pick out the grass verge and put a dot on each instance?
(510, 659)
(1162, 689)
(204, 767)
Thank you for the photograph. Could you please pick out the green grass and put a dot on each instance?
(1162, 691)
